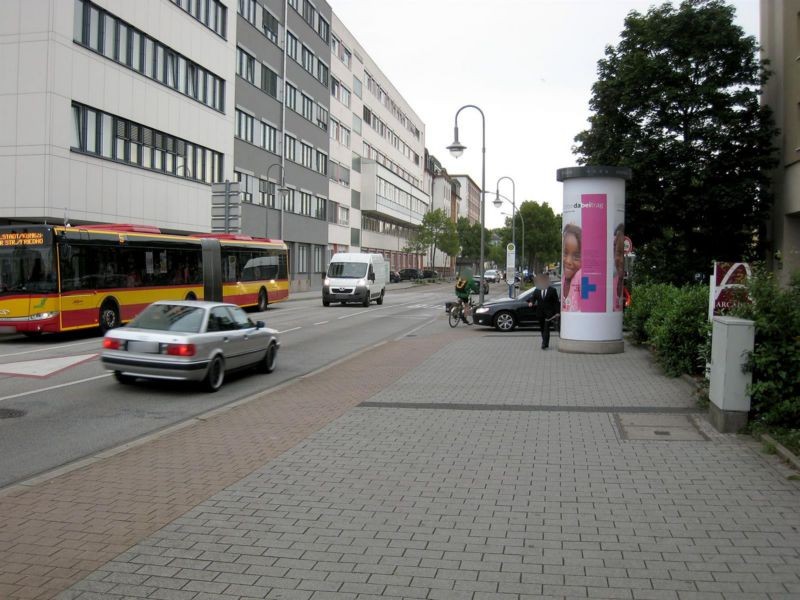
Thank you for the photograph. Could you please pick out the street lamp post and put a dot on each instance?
(497, 202)
(282, 190)
(457, 149)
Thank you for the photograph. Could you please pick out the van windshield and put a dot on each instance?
(347, 270)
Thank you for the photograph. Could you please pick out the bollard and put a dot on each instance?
(732, 341)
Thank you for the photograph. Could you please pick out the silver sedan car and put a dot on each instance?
(189, 341)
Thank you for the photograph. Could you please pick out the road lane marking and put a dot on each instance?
(54, 387)
(44, 367)
(97, 341)
(322, 323)
(361, 312)
(292, 329)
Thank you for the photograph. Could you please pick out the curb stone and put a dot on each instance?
(781, 450)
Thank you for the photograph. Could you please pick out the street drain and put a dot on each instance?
(11, 413)
(650, 425)
(661, 432)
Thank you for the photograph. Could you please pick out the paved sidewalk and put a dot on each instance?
(454, 464)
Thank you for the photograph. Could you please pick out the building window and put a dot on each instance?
(291, 45)
(245, 66)
(323, 28)
(113, 138)
(339, 50)
(291, 97)
(357, 90)
(247, 8)
(211, 13)
(246, 185)
(344, 215)
(309, 13)
(289, 147)
(322, 117)
(269, 81)
(302, 258)
(270, 26)
(319, 259)
(356, 124)
(340, 92)
(99, 31)
(322, 163)
(307, 105)
(305, 204)
(319, 209)
(288, 200)
(269, 138)
(307, 155)
(307, 59)
(322, 72)
(244, 126)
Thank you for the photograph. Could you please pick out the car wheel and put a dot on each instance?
(122, 378)
(504, 321)
(267, 364)
(215, 374)
(326, 303)
(263, 301)
(380, 300)
(366, 299)
(109, 317)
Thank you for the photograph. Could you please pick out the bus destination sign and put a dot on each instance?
(21, 238)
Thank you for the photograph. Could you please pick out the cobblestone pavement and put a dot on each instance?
(515, 500)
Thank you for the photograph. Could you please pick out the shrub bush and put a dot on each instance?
(644, 298)
(775, 361)
(678, 329)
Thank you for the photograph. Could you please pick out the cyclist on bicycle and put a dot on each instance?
(465, 285)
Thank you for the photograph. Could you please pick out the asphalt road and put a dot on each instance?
(80, 410)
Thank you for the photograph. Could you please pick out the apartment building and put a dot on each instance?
(470, 205)
(445, 194)
(386, 201)
(281, 136)
(780, 42)
(115, 111)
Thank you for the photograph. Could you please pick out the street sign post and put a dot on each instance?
(511, 251)
(628, 245)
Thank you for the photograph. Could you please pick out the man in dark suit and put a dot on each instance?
(546, 303)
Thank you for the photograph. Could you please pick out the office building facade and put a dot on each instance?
(780, 42)
(115, 111)
(470, 205)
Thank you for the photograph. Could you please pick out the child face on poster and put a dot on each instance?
(571, 259)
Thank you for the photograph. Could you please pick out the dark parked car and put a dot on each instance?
(428, 274)
(508, 313)
(410, 274)
(394, 277)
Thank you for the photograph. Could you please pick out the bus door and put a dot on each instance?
(78, 287)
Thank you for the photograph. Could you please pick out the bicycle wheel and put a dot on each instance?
(455, 315)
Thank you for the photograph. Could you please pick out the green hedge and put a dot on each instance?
(674, 321)
(775, 361)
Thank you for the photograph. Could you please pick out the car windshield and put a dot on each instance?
(27, 269)
(524, 295)
(347, 270)
(170, 317)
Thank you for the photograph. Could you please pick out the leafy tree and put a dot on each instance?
(542, 235)
(677, 101)
(469, 238)
(437, 231)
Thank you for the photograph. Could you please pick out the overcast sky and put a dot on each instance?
(529, 64)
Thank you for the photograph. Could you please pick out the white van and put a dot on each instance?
(355, 277)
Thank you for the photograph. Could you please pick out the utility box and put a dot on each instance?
(731, 344)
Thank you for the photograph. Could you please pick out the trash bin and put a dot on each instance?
(731, 345)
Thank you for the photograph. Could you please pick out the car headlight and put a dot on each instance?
(326, 282)
(44, 315)
(362, 282)
(482, 310)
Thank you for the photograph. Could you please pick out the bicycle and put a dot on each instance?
(456, 310)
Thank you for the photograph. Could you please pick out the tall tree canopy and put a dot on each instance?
(542, 229)
(437, 232)
(677, 101)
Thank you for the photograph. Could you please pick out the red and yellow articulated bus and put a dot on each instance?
(62, 278)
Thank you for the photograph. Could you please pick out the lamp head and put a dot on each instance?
(283, 191)
(497, 202)
(456, 148)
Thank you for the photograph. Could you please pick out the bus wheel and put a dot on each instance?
(191, 296)
(109, 316)
(263, 302)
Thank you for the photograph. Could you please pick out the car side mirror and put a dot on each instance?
(372, 276)
(260, 324)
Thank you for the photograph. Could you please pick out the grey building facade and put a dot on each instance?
(281, 145)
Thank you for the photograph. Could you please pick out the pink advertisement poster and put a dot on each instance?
(585, 255)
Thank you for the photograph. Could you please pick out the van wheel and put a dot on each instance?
(109, 316)
(263, 302)
(215, 374)
(366, 299)
(380, 299)
(326, 303)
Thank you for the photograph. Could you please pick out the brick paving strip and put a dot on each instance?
(57, 532)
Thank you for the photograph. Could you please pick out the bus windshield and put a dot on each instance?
(27, 269)
(347, 270)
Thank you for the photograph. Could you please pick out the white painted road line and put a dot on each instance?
(98, 342)
(292, 329)
(54, 387)
(322, 323)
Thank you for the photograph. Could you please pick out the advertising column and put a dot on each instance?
(592, 259)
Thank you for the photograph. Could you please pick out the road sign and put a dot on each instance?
(628, 245)
(510, 262)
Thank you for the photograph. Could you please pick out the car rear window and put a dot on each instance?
(170, 317)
